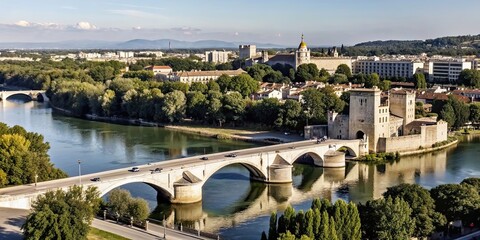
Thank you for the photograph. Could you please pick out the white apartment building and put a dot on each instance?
(203, 76)
(122, 54)
(446, 70)
(216, 56)
(388, 67)
(247, 51)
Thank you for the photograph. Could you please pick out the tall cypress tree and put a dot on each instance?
(341, 217)
(332, 231)
(272, 231)
(317, 218)
(323, 231)
(264, 236)
(352, 224)
(309, 215)
(299, 224)
(289, 216)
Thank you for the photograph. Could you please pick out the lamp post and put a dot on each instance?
(164, 228)
(79, 172)
(36, 177)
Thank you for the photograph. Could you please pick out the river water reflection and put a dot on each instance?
(232, 205)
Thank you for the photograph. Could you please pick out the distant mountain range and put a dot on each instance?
(133, 44)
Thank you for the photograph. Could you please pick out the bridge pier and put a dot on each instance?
(185, 193)
(333, 159)
(279, 173)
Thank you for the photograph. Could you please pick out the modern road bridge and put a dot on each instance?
(181, 180)
(34, 95)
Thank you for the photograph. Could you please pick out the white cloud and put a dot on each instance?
(236, 34)
(23, 23)
(85, 26)
(26, 24)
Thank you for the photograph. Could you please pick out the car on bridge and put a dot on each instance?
(95, 179)
(134, 169)
(204, 158)
(231, 155)
(157, 170)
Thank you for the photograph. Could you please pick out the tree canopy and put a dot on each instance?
(62, 214)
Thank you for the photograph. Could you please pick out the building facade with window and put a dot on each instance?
(447, 70)
(388, 68)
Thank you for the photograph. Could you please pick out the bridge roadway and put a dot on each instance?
(181, 180)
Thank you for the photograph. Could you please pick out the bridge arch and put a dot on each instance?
(348, 150)
(317, 159)
(256, 172)
(162, 191)
(8, 96)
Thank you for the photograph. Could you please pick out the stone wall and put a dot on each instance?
(429, 135)
(399, 144)
(315, 131)
(331, 63)
(337, 126)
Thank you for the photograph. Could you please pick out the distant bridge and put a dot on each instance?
(34, 95)
(181, 180)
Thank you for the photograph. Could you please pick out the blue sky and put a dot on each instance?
(267, 21)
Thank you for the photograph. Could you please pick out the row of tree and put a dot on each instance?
(24, 157)
(322, 221)
(455, 112)
(406, 211)
(122, 204)
(224, 101)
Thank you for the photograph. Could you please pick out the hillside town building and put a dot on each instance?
(387, 68)
(217, 56)
(302, 56)
(446, 70)
(203, 76)
(247, 51)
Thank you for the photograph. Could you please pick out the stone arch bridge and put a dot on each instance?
(181, 180)
(34, 95)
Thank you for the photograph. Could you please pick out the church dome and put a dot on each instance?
(302, 45)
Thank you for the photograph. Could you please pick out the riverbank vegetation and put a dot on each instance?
(380, 157)
(104, 89)
(122, 204)
(24, 157)
(406, 211)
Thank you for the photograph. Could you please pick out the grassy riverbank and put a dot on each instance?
(253, 133)
(97, 234)
(241, 133)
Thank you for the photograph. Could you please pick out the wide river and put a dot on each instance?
(232, 205)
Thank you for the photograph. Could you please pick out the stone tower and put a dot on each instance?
(302, 55)
(369, 116)
(402, 104)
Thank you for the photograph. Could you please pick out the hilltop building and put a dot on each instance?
(301, 56)
(386, 122)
